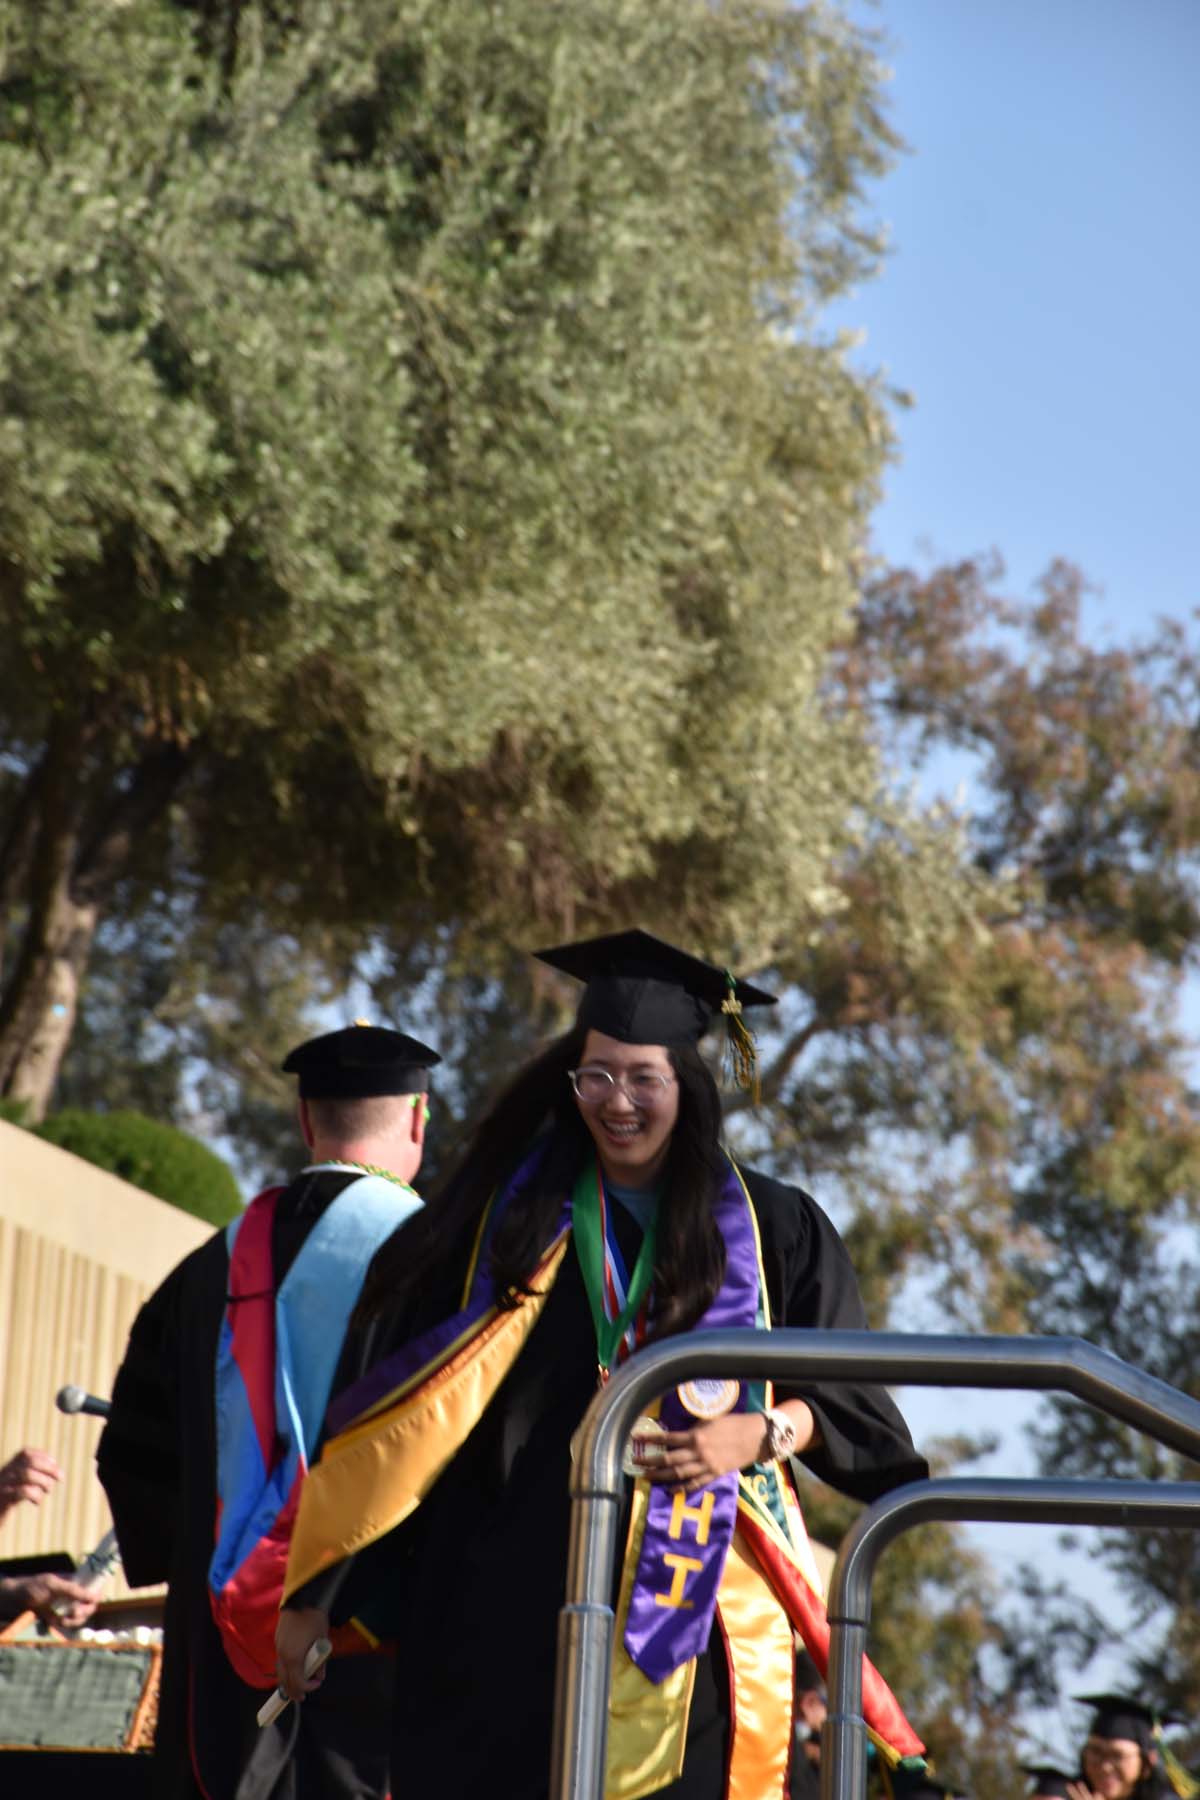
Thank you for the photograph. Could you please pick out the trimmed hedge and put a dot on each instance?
(159, 1158)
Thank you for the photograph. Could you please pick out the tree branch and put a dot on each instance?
(105, 856)
(16, 849)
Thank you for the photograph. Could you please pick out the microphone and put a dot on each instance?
(72, 1399)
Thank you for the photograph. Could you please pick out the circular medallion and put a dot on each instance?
(709, 1399)
(641, 1450)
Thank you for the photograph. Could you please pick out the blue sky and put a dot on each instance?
(1040, 304)
(1040, 299)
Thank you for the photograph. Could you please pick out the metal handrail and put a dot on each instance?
(997, 1500)
(1065, 1365)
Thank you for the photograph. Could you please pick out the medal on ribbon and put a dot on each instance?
(619, 1307)
(709, 1398)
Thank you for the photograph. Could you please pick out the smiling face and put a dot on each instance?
(1112, 1767)
(632, 1135)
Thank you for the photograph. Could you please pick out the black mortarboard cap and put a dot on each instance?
(1048, 1779)
(643, 991)
(359, 1062)
(1119, 1716)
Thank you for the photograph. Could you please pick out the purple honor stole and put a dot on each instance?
(687, 1536)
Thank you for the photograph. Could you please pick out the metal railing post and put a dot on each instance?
(1065, 1365)
(1140, 1504)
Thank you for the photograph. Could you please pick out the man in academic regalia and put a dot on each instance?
(216, 1410)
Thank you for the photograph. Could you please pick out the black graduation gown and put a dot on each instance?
(477, 1574)
(805, 1776)
(157, 1463)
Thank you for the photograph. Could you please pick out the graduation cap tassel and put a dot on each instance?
(740, 1045)
(1185, 1784)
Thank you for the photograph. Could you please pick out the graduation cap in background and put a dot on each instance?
(359, 1062)
(925, 1783)
(1048, 1779)
(641, 990)
(1120, 1716)
(809, 1678)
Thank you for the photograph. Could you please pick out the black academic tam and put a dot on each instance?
(360, 1062)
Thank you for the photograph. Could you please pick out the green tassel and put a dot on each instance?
(742, 1052)
(1185, 1784)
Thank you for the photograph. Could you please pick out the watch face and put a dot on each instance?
(783, 1433)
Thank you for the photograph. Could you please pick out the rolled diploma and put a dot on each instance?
(271, 1708)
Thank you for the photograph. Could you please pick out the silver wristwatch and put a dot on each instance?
(781, 1432)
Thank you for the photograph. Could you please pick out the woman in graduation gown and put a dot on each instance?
(1125, 1756)
(594, 1210)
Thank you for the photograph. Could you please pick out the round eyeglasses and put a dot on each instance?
(1111, 1756)
(645, 1087)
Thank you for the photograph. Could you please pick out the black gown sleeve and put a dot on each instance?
(345, 1589)
(138, 1456)
(865, 1447)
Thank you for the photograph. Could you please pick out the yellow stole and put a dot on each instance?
(647, 1723)
(372, 1476)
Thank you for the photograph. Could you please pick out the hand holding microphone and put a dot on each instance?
(61, 1601)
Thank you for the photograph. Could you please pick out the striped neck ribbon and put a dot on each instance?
(620, 1303)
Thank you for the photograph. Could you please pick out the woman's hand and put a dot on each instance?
(296, 1633)
(693, 1458)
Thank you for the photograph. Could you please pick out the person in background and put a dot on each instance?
(216, 1410)
(1125, 1756)
(595, 1210)
(56, 1599)
(809, 1710)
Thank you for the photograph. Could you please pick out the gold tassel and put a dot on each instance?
(1185, 1785)
(740, 1046)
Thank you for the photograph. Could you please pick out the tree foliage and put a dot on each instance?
(430, 523)
(166, 1162)
(1130, 1284)
(419, 500)
(977, 1065)
(1026, 1113)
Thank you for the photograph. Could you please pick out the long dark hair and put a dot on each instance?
(538, 1109)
